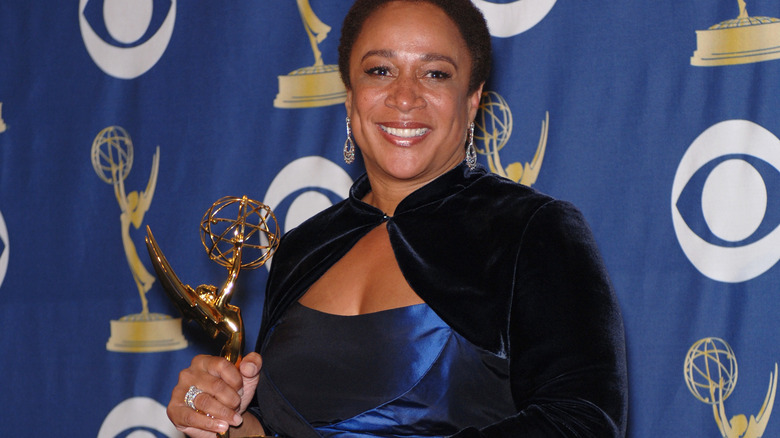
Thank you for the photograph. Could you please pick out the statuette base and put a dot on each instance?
(311, 87)
(148, 333)
(743, 44)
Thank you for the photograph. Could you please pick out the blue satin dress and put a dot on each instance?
(398, 372)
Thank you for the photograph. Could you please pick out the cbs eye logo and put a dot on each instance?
(725, 204)
(304, 188)
(138, 417)
(126, 38)
(507, 19)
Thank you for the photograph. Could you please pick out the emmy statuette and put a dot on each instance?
(493, 129)
(251, 233)
(316, 85)
(143, 332)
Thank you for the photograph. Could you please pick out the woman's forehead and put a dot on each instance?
(410, 26)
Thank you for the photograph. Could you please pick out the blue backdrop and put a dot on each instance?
(658, 119)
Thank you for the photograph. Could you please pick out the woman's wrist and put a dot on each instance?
(250, 427)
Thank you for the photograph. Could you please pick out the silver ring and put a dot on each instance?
(189, 398)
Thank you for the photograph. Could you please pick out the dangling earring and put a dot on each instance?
(349, 146)
(471, 151)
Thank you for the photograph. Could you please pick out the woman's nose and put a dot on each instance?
(405, 94)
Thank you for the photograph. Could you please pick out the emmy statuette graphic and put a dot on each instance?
(493, 129)
(237, 233)
(112, 159)
(3, 126)
(711, 374)
(742, 40)
(317, 85)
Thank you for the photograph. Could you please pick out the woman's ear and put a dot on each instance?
(348, 102)
(474, 100)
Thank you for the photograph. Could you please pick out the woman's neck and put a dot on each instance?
(385, 200)
(387, 193)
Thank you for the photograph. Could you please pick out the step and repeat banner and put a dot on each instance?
(660, 120)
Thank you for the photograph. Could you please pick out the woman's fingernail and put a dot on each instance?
(222, 426)
(237, 419)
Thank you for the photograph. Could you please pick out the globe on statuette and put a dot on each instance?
(711, 370)
(239, 224)
(112, 154)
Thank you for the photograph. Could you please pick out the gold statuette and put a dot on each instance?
(711, 374)
(493, 129)
(317, 85)
(233, 231)
(144, 332)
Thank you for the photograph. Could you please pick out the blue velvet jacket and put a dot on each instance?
(513, 271)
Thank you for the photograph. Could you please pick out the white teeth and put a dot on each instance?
(404, 133)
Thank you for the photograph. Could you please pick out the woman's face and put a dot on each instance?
(409, 102)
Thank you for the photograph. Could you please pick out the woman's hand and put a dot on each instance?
(227, 391)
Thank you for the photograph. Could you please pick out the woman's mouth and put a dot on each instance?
(404, 132)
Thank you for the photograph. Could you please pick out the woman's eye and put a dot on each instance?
(438, 74)
(378, 71)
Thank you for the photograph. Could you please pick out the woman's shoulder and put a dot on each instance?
(514, 201)
(520, 213)
(501, 186)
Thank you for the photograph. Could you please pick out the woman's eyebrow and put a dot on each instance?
(382, 53)
(428, 57)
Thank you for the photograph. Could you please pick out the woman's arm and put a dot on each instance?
(566, 340)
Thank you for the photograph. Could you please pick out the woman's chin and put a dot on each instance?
(411, 172)
(410, 165)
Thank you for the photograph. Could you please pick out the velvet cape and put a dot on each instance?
(515, 272)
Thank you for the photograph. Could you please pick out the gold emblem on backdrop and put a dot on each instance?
(493, 129)
(3, 126)
(711, 375)
(317, 85)
(112, 159)
(742, 40)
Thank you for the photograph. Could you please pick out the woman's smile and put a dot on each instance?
(404, 134)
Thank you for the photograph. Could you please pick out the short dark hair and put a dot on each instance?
(467, 18)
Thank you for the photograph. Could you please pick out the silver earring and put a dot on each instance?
(471, 151)
(349, 146)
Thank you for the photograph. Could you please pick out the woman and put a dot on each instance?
(437, 299)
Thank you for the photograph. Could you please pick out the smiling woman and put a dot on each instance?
(437, 299)
(409, 98)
